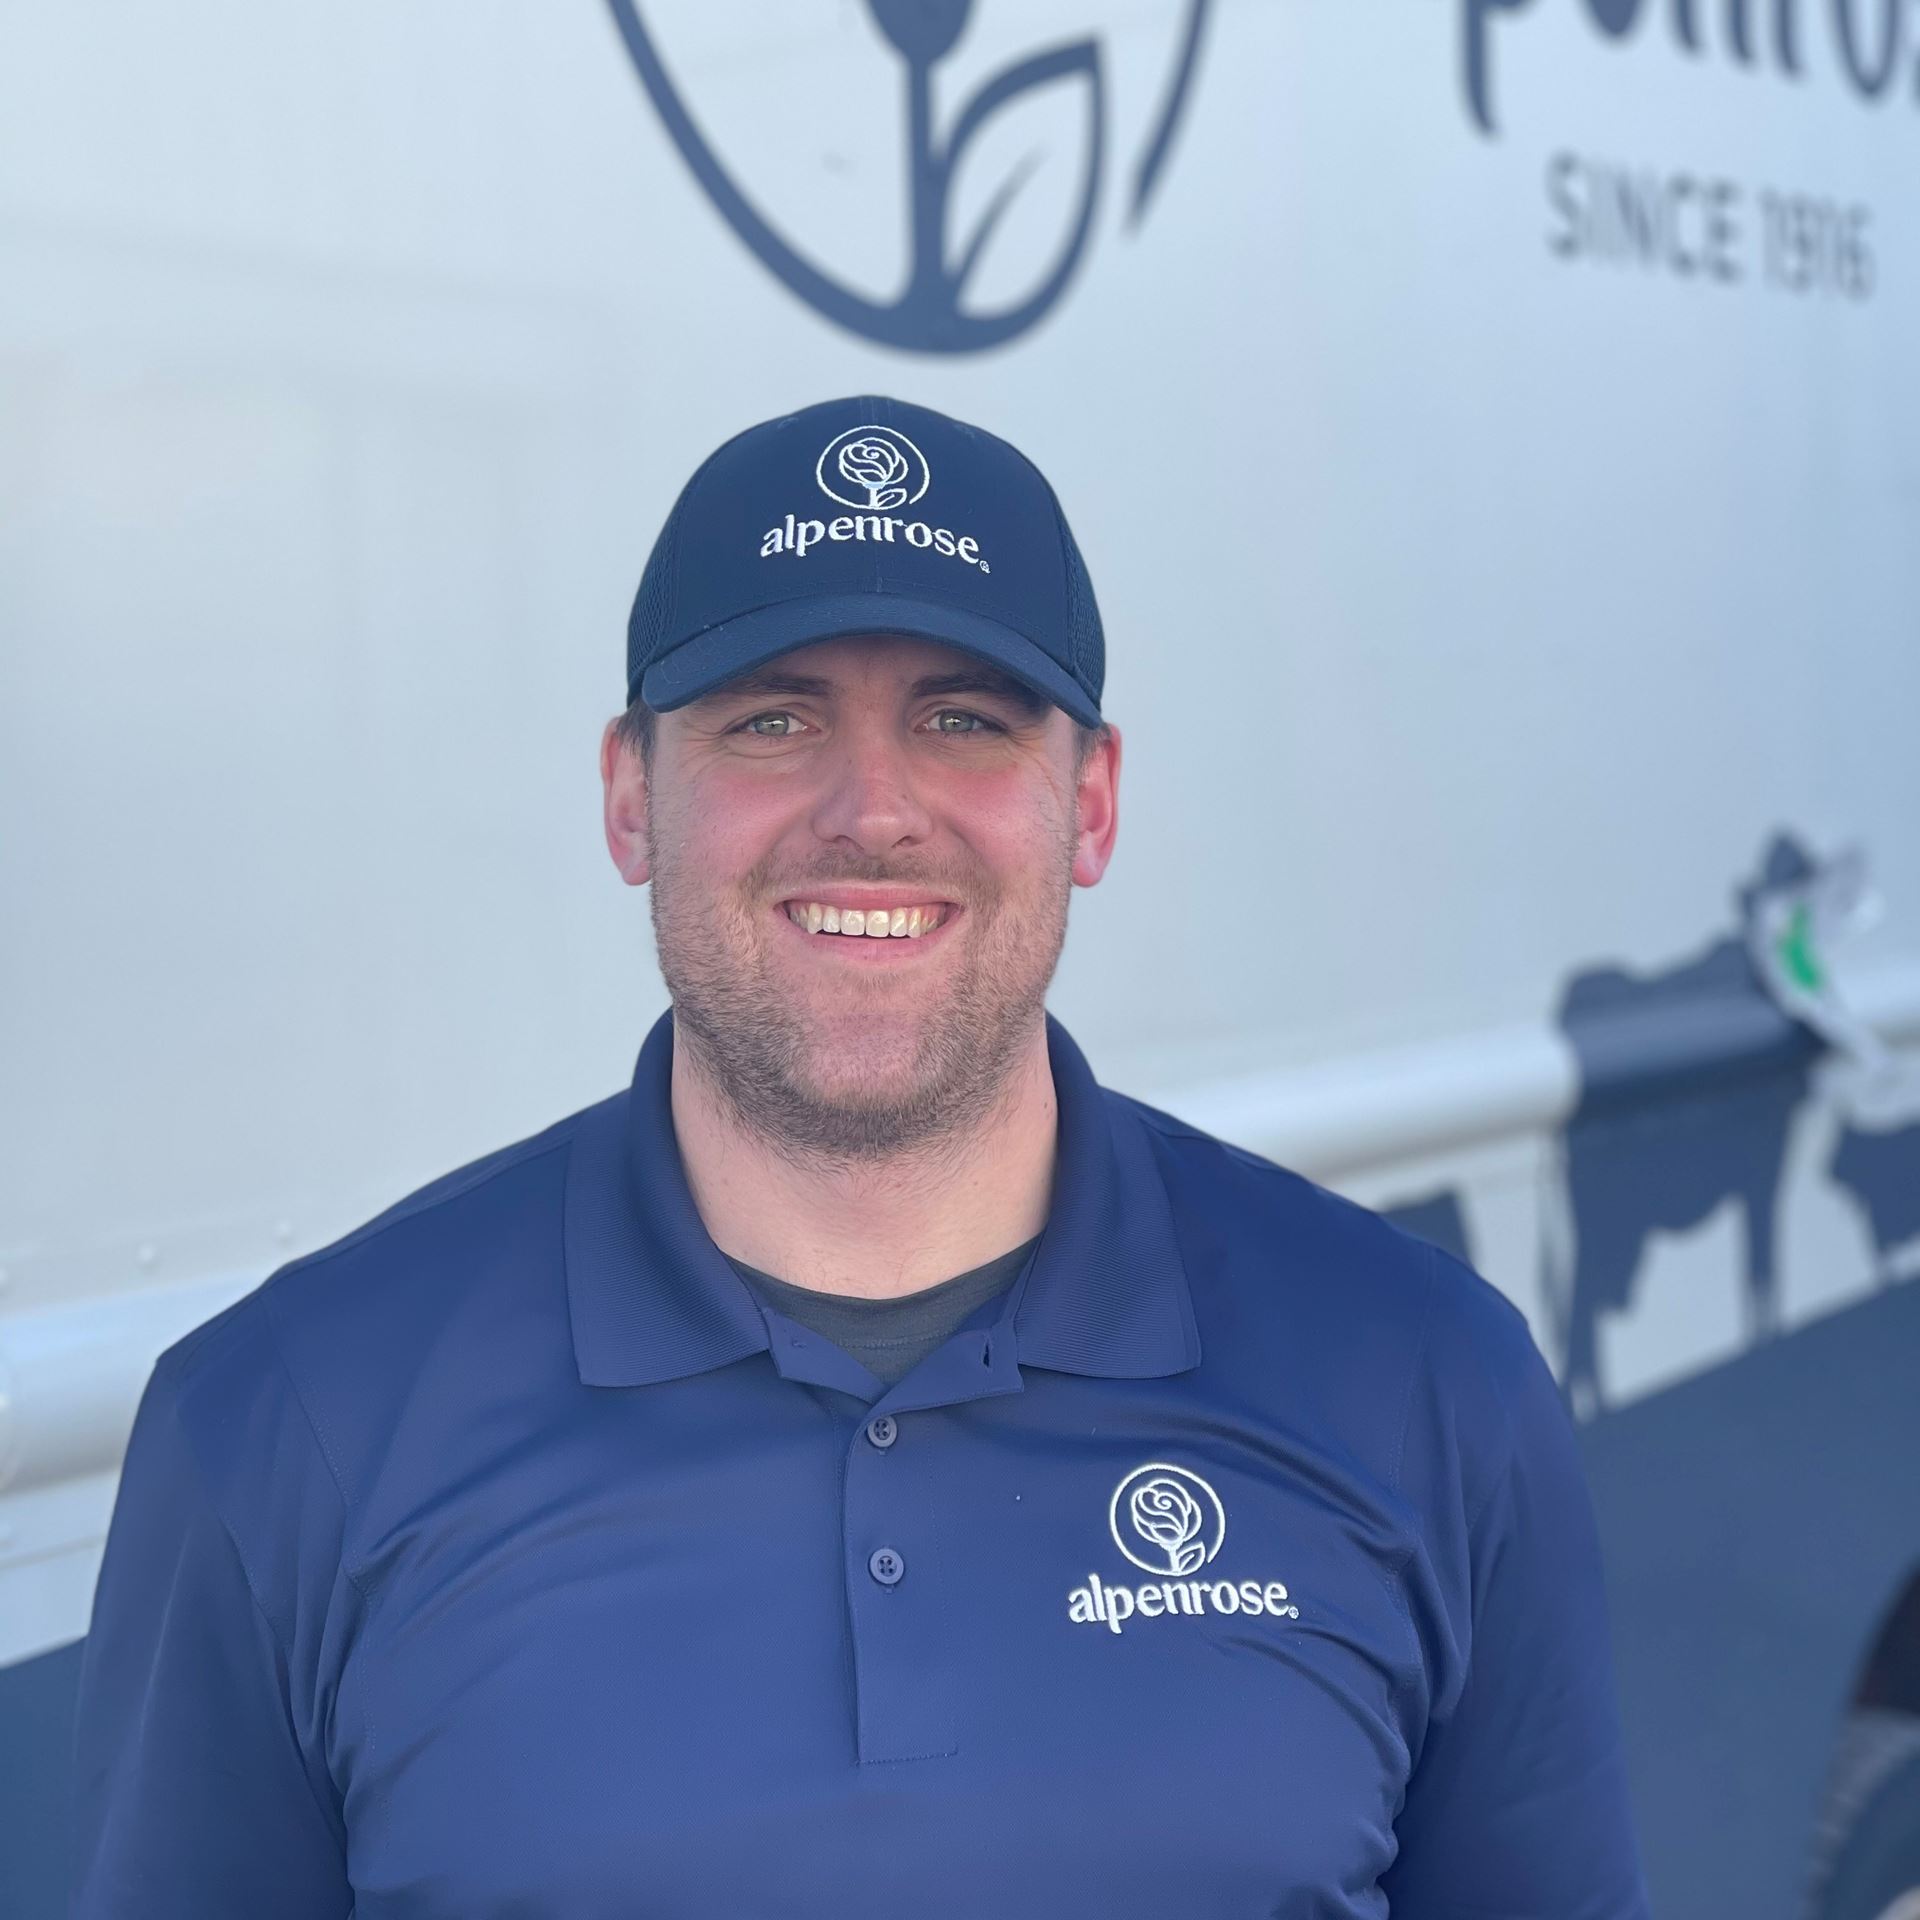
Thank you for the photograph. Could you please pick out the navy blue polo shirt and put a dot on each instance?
(509, 1558)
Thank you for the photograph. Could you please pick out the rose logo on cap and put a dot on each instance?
(1002, 580)
(876, 468)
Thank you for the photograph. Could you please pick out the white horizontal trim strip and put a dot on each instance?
(71, 1377)
(1373, 1109)
(1365, 1111)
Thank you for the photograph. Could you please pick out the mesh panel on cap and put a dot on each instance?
(1086, 646)
(653, 604)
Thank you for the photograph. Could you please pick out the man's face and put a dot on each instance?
(855, 773)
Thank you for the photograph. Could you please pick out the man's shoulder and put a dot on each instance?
(1279, 1250)
(456, 1207)
(362, 1308)
(1256, 1202)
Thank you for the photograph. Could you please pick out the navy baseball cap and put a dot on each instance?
(865, 516)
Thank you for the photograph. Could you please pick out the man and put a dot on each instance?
(865, 1464)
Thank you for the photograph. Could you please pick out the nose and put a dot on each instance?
(870, 797)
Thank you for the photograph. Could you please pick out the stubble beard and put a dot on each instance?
(936, 1077)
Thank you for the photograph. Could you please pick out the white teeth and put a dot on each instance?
(874, 923)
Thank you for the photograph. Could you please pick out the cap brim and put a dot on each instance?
(736, 646)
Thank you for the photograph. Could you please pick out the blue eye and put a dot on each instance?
(978, 723)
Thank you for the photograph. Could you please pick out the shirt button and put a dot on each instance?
(884, 1431)
(886, 1566)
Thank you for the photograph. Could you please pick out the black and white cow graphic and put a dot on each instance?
(1690, 1079)
(1880, 1169)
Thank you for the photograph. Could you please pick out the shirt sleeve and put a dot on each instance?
(191, 1793)
(1518, 1805)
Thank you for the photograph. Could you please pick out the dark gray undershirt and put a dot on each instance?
(888, 1337)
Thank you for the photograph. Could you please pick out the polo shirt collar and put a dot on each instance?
(653, 1299)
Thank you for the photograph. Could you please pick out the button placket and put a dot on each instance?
(896, 1603)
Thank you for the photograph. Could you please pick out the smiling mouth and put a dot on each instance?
(823, 920)
(874, 936)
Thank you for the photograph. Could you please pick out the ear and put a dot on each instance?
(1098, 805)
(623, 784)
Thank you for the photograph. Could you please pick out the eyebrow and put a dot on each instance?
(963, 680)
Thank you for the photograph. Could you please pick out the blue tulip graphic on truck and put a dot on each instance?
(928, 315)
